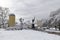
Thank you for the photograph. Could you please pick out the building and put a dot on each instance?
(11, 20)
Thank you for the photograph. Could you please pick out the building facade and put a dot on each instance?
(11, 20)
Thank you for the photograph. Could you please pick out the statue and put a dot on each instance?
(33, 25)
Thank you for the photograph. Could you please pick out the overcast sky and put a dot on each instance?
(30, 8)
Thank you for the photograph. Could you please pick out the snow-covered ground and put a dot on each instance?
(26, 35)
(52, 30)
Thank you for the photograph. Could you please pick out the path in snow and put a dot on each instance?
(27, 35)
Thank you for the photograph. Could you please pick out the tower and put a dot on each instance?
(11, 20)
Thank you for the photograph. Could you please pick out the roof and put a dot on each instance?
(12, 15)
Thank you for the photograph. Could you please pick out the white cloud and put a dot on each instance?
(29, 8)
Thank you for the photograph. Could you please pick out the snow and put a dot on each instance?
(52, 30)
(26, 35)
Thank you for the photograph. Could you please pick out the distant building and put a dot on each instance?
(11, 20)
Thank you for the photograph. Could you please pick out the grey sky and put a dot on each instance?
(29, 8)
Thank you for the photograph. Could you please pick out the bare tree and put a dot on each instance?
(3, 15)
(21, 22)
(55, 17)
